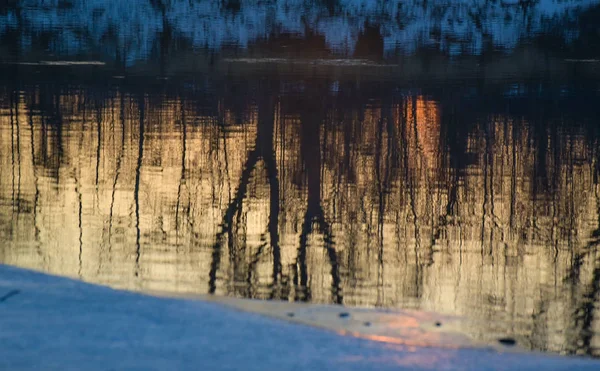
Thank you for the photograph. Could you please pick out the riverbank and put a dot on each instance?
(50, 323)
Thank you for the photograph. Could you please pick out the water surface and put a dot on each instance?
(382, 154)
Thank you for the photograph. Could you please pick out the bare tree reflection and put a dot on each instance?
(585, 304)
(263, 150)
(390, 197)
(119, 161)
(312, 118)
(138, 174)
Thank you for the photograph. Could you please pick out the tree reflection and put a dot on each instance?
(263, 150)
(314, 189)
(312, 113)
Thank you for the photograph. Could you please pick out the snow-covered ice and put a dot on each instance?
(54, 323)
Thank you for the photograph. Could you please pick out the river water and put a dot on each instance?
(426, 155)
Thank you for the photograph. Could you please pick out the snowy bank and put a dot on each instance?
(53, 323)
(133, 29)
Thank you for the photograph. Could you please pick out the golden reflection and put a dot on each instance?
(418, 341)
(293, 198)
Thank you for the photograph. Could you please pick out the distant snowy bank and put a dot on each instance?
(133, 30)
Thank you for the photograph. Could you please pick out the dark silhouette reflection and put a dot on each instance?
(138, 169)
(263, 150)
(460, 198)
(311, 119)
(585, 293)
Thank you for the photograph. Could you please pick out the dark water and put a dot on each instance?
(392, 154)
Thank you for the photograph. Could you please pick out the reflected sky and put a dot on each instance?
(421, 155)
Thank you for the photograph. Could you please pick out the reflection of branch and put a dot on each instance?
(80, 206)
(584, 314)
(36, 179)
(14, 201)
(117, 172)
(264, 149)
(18, 149)
(182, 179)
(332, 254)
(136, 190)
(310, 217)
(381, 207)
(311, 155)
(252, 267)
(409, 183)
(301, 258)
(513, 179)
(274, 218)
(487, 173)
(383, 186)
(591, 246)
(266, 120)
(99, 143)
(80, 220)
(227, 224)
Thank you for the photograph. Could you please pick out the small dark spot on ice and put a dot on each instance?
(367, 324)
(507, 341)
(344, 315)
(438, 324)
(9, 295)
(290, 314)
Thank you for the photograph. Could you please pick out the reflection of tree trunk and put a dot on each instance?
(18, 127)
(303, 283)
(80, 221)
(249, 293)
(136, 190)
(513, 178)
(383, 165)
(267, 145)
(15, 150)
(98, 145)
(408, 130)
(183, 158)
(58, 122)
(487, 173)
(555, 195)
(380, 210)
(80, 199)
(584, 315)
(408, 178)
(540, 322)
(311, 154)
(12, 154)
(227, 224)
(572, 212)
(117, 172)
(36, 180)
(265, 150)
